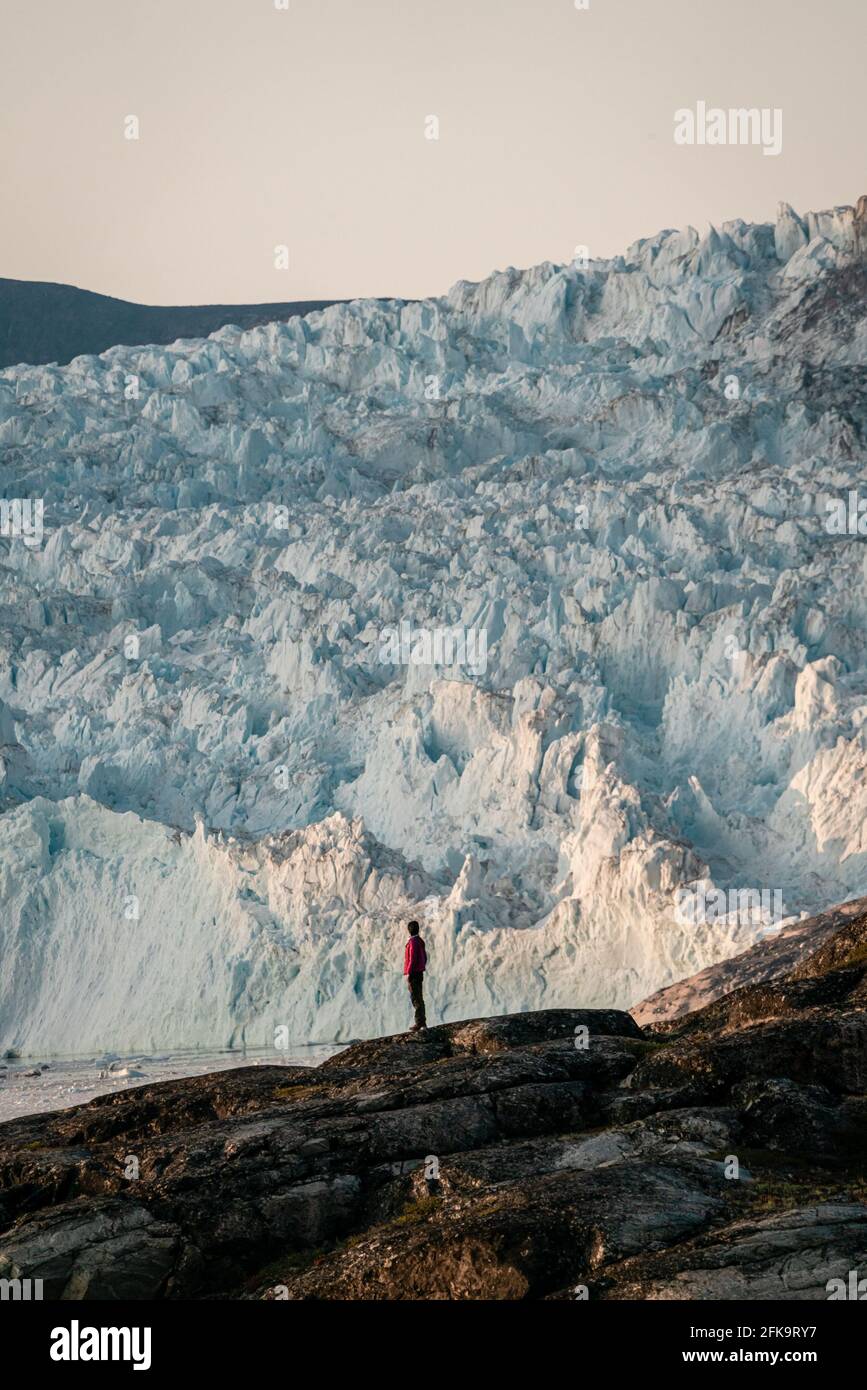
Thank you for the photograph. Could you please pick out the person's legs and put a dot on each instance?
(416, 991)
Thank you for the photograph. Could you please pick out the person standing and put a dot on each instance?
(414, 963)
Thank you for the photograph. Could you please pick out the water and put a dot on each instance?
(65, 1081)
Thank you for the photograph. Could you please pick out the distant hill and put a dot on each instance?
(42, 322)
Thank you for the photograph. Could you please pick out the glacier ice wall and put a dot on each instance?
(219, 802)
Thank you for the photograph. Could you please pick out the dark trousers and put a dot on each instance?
(416, 985)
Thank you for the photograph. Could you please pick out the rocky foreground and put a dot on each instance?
(560, 1154)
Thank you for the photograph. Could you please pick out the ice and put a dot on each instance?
(220, 806)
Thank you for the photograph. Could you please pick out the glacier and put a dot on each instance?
(219, 804)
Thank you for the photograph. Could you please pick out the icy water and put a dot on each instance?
(59, 1082)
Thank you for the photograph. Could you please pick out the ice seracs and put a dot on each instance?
(220, 801)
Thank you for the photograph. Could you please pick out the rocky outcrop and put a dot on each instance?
(559, 1154)
(790, 1255)
(777, 956)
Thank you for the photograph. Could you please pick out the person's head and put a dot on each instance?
(413, 928)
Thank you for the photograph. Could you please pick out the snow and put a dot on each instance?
(220, 806)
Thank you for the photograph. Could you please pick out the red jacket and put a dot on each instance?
(414, 957)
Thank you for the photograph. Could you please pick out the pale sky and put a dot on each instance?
(305, 127)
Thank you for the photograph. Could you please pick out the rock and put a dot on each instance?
(790, 1256)
(107, 1250)
(781, 1114)
(521, 1156)
(781, 955)
(812, 1046)
(523, 1239)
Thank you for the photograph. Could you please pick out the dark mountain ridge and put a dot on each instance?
(41, 322)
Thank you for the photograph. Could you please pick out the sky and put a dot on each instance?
(307, 128)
